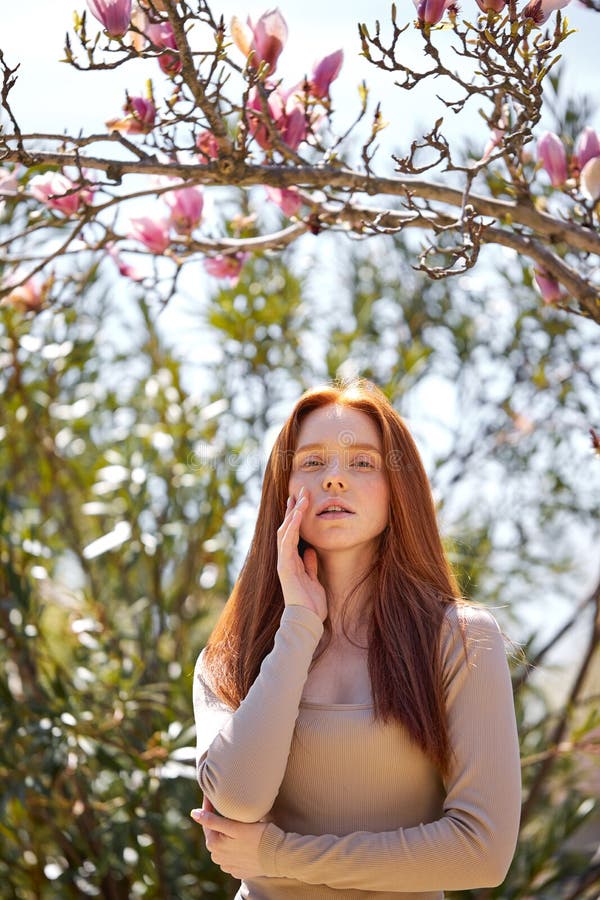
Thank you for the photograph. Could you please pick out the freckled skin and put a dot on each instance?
(338, 469)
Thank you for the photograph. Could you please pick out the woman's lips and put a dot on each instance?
(334, 515)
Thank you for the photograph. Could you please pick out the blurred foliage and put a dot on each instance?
(124, 497)
(114, 551)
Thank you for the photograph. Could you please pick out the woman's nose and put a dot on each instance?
(334, 475)
(333, 480)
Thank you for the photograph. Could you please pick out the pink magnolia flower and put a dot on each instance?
(270, 35)
(286, 113)
(553, 157)
(58, 192)
(589, 179)
(264, 41)
(186, 208)
(207, 145)
(115, 15)
(162, 36)
(140, 118)
(326, 71)
(541, 10)
(587, 147)
(222, 266)
(275, 104)
(548, 287)
(153, 233)
(491, 5)
(429, 12)
(287, 199)
(293, 127)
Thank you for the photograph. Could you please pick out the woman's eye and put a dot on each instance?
(311, 462)
(363, 463)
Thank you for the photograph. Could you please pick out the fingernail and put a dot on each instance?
(197, 814)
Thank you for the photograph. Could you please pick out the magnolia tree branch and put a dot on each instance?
(229, 120)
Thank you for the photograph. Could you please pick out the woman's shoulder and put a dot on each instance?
(461, 614)
(466, 629)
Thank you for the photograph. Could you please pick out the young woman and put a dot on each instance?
(355, 721)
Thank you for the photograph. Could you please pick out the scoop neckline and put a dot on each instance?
(314, 705)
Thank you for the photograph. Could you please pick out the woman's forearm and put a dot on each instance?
(242, 755)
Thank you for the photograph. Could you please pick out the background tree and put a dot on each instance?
(131, 465)
(124, 493)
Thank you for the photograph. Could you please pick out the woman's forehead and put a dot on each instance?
(338, 424)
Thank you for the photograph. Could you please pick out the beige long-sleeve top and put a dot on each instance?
(355, 809)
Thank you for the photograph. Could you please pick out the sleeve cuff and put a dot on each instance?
(305, 617)
(271, 840)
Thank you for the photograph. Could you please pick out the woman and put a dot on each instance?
(355, 721)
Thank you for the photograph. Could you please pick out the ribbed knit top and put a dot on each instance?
(355, 809)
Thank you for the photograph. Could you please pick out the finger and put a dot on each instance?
(300, 505)
(289, 508)
(215, 823)
(292, 517)
(289, 538)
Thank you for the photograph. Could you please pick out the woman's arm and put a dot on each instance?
(242, 754)
(473, 843)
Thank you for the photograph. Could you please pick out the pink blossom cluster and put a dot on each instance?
(185, 212)
(583, 165)
(430, 12)
(140, 116)
(276, 114)
(117, 17)
(185, 206)
(290, 111)
(59, 192)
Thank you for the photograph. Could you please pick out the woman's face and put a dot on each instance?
(339, 458)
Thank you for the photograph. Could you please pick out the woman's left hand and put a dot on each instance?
(232, 845)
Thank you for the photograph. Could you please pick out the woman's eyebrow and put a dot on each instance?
(370, 447)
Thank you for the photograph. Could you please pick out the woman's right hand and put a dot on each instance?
(297, 574)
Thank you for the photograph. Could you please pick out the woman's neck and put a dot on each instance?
(339, 572)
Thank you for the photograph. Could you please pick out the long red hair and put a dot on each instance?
(410, 581)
